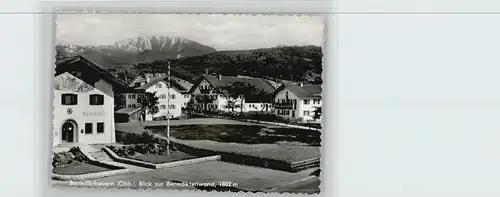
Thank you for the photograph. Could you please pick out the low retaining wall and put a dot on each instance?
(117, 158)
(283, 124)
(262, 122)
(114, 156)
(237, 158)
(188, 161)
(82, 177)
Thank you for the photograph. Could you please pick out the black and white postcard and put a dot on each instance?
(206, 102)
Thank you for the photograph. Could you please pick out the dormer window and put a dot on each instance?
(96, 99)
(69, 99)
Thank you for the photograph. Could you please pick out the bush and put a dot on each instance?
(144, 149)
(131, 138)
(73, 156)
(79, 156)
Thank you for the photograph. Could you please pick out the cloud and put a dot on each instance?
(223, 32)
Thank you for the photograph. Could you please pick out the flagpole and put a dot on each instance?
(168, 107)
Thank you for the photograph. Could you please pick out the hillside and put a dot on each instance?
(297, 63)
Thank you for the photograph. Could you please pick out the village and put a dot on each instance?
(169, 126)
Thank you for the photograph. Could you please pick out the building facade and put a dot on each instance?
(298, 101)
(159, 85)
(84, 102)
(208, 94)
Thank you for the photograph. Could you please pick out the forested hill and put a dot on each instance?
(292, 63)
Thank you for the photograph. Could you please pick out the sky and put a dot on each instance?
(222, 32)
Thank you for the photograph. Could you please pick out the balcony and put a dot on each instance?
(205, 91)
(283, 106)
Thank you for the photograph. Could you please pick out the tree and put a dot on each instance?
(119, 101)
(317, 113)
(125, 76)
(231, 104)
(149, 103)
(240, 90)
(204, 99)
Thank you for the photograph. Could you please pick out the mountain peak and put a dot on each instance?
(153, 43)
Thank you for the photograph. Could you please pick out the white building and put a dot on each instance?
(208, 96)
(298, 101)
(84, 102)
(178, 95)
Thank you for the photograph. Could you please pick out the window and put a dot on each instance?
(137, 84)
(185, 103)
(172, 96)
(88, 128)
(306, 113)
(96, 99)
(186, 95)
(162, 107)
(171, 106)
(129, 105)
(163, 96)
(100, 127)
(69, 99)
(133, 96)
(306, 102)
(158, 85)
(316, 101)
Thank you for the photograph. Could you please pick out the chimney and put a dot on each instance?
(301, 84)
(220, 77)
(206, 71)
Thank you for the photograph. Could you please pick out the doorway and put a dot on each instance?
(69, 131)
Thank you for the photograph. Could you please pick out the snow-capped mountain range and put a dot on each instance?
(161, 43)
(139, 49)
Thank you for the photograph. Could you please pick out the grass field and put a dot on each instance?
(81, 168)
(157, 159)
(244, 134)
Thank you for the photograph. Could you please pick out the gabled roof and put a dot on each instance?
(153, 81)
(228, 80)
(84, 65)
(127, 110)
(186, 84)
(305, 91)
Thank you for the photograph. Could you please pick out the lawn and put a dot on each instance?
(157, 159)
(243, 134)
(80, 168)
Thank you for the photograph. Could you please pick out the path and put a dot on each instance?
(95, 151)
(197, 121)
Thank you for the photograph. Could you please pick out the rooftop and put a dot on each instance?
(227, 80)
(82, 64)
(154, 80)
(127, 110)
(304, 91)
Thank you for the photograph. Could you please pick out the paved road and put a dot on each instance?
(310, 186)
(243, 177)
